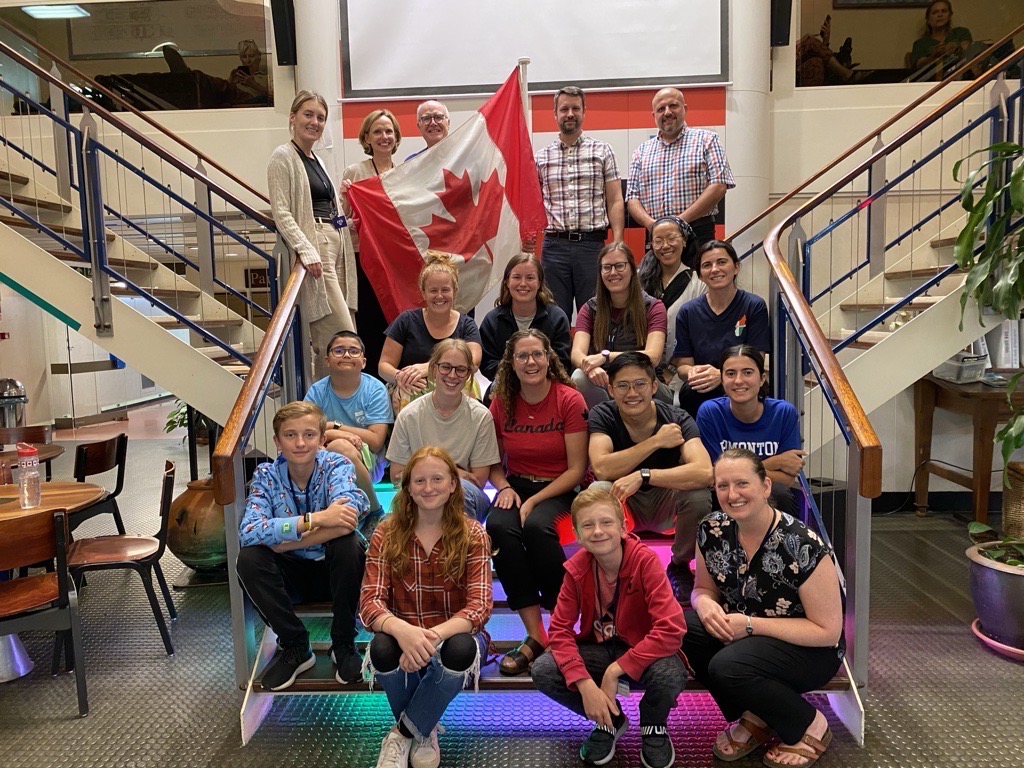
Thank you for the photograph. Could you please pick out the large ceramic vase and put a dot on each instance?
(196, 531)
(998, 593)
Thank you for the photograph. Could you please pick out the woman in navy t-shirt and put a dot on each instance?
(710, 324)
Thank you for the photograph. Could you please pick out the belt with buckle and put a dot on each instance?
(574, 236)
(532, 478)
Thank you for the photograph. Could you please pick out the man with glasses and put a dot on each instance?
(358, 413)
(579, 181)
(649, 455)
(682, 171)
(433, 120)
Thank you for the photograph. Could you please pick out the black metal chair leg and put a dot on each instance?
(77, 651)
(147, 582)
(117, 517)
(58, 644)
(166, 592)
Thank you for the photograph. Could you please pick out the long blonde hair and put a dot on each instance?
(397, 529)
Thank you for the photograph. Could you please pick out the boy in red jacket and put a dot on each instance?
(631, 630)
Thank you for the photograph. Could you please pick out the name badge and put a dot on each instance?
(339, 221)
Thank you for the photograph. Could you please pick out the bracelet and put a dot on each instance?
(385, 622)
(308, 518)
(501, 491)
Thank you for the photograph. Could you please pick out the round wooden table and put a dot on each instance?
(47, 452)
(14, 662)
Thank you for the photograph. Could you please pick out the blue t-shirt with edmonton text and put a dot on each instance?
(704, 336)
(777, 431)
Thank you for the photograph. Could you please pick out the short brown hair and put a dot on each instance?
(296, 410)
(370, 119)
(592, 497)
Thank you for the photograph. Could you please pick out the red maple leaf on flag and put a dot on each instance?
(475, 223)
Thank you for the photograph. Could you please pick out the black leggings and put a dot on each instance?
(761, 675)
(457, 653)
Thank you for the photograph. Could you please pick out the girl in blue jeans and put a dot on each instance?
(426, 595)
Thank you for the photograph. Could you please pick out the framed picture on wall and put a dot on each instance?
(879, 3)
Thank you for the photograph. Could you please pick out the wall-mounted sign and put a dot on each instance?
(257, 278)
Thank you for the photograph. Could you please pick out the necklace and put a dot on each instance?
(532, 409)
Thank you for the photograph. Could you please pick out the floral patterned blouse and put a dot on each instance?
(768, 585)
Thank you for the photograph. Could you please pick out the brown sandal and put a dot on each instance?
(817, 749)
(515, 662)
(740, 749)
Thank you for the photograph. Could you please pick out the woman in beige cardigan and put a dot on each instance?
(307, 211)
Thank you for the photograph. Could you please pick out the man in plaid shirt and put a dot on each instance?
(579, 181)
(681, 172)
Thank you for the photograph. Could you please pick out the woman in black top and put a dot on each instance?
(767, 619)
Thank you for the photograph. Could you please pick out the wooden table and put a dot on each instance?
(47, 452)
(70, 496)
(67, 495)
(987, 408)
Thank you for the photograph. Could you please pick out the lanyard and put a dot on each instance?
(304, 507)
(320, 174)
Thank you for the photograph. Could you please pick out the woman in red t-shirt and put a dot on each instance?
(541, 423)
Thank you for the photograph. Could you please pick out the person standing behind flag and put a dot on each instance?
(379, 136)
(306, 208)
(433, 121)
(582, 193)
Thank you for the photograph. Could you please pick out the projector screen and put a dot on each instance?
(468, 47)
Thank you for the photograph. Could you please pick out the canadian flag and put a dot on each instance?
(474, 195)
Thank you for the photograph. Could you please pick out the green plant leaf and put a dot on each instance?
(995, 553)
(1017, 188)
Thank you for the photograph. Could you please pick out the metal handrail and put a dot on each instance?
(137, 136)
(952, 77)
(127, 107)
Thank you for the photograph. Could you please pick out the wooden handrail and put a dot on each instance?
(142, 139)
(833, 377)
(955, 75)
(247, 405)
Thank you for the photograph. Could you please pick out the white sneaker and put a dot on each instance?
(426, 753)
(394, 750)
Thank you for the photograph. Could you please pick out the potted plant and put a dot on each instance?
(995, 279)
(178, 417)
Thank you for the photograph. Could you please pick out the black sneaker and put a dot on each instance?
(348, 661)
(657, 750)
(599, 748)
(681, 579)
(286, 666)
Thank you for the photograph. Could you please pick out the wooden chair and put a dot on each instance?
(45, 601)
(41, 434)
(96, 459)
(140, 553)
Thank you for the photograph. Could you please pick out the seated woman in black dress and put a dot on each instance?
(767, 619)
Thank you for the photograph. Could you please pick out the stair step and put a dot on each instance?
(19, 223)
(160, 293)
(13, 177)
(915, 272)
(218, 355)
(173, 323)
(27, 201)
(919, 304)
(949, 242)
(114, 261)
(865, 341)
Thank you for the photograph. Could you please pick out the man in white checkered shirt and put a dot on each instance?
(680, 172)
(579, 180)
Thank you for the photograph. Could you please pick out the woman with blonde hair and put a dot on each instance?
(379, 136)
(426, 596)
(307, 211)
(411, 338)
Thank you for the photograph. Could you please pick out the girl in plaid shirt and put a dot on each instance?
(426, 596)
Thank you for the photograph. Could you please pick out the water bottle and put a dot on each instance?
(29, 488)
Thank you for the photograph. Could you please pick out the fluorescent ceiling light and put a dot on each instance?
(55, 11)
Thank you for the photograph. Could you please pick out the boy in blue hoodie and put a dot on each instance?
(298, 539)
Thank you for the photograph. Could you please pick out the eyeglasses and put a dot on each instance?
(427, 119)
(346, 352)
(618, 267)
(639, 386)
(524, 357)
(670, 240)
(447, 368)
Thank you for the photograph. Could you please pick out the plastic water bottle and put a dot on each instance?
(29, 488)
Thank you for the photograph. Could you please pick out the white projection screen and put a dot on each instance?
(468, 47)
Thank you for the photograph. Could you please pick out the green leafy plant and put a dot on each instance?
(178, 418)
(995, 274)
(1009, 552)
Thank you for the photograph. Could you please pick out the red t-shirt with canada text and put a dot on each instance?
(533, 439)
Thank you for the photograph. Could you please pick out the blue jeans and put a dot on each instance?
(420, 698)
(477, 502)
(570, 271)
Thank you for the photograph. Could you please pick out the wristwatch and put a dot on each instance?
(750, 629)
(607, 354)
(335, 425)
(645, 477)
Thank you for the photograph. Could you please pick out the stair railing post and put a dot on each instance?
(204, 236)
(62, 143)
(290, 352)
(94, 234)
(243, 626)
(857, 569)
(786, 369)
(876, 213)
